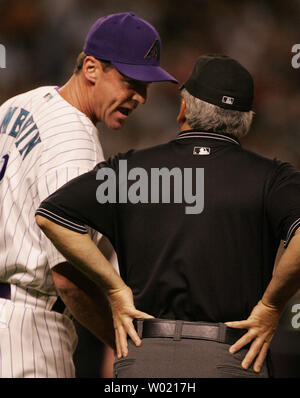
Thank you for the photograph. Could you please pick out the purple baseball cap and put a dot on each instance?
(131, 44)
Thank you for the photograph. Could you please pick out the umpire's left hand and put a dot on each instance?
(124, 312)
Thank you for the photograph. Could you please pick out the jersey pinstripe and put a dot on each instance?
(44, 142)
(35, 343)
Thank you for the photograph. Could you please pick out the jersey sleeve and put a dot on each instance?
(46, 186)
(76, 204)
(283, 201)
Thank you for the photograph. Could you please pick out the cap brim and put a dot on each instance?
(145, 73)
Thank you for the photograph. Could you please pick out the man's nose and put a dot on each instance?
(140, 96)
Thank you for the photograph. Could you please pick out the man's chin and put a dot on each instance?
(117, 125)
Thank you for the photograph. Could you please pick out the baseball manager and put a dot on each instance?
(47, 137)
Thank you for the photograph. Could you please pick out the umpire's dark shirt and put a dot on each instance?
(212, 266)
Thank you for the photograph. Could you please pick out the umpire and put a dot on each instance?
(205, 272)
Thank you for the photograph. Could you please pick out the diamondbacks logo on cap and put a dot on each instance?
(227, 100)
(154, 51)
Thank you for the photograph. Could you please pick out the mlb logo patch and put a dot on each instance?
(48, 97)
(227, 100)
(201, 150)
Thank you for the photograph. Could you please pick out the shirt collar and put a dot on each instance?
(188, 134)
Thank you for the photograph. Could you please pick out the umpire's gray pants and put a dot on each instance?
(186, 358)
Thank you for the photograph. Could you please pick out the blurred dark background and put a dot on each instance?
(43, 38)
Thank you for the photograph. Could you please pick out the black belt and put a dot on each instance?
(58, 306)
(149, 328)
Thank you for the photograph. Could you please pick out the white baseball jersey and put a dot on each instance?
(44, 142)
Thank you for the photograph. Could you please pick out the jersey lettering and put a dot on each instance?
(7, 119)
(30, 145)
(22, 130)
(3, 165)
(18, 123)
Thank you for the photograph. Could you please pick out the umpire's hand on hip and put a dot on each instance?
(124, 312)
(261, 326)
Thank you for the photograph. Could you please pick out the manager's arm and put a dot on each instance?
(85, 301)
(84, 255)
(264, 317)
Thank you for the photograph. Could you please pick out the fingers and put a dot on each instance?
(144, 315)
(261, 325)
(124, 327)
(121, 342)
(124, 312)
(244, 340)
(258, 349)
(121, 333)
(118, 346)
(238, 324)
(261, 357)
(133, 334)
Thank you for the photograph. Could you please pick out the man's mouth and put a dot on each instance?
(123, 110)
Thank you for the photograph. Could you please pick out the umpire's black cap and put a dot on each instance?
(222, 81)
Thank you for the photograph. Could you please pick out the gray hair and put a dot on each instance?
(201, 115)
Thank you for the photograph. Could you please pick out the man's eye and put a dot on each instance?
(135, 85)
(129, 83)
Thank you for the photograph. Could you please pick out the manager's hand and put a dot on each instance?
(124, 312)
(261, 326)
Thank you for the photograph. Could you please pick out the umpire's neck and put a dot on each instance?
(181, 118)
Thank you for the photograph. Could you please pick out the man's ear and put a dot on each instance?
(90, 68)
(182, 112)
